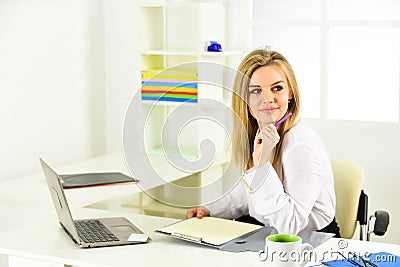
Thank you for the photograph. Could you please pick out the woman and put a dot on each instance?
(287, 178)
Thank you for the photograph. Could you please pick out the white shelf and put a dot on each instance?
(170, 53)
(190, 153)
(178, 4)
(127, 101)
(167, 103)
(191, 53)
(223, 53)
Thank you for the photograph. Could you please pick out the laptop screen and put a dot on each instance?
(59, 200)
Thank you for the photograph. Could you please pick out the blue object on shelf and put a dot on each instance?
(213, 46)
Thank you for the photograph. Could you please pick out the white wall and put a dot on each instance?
(52, 83)
(123, 65)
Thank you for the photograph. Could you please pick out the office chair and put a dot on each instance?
(352, 202)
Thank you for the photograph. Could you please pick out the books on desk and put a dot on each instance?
(94, 179)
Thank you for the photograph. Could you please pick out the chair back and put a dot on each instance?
(348, 178)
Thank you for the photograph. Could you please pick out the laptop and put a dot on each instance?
(88, 233)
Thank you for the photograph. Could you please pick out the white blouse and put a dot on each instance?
(304, 198)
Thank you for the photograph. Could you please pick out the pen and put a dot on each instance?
(283, 119)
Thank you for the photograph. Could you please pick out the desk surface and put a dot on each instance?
(38, 235)
(30, 189)
(29, 228)
(34, 233)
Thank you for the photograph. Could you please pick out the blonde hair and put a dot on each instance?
(245, 126)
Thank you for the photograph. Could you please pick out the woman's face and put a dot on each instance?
(269, 94)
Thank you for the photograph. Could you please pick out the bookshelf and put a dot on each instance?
(173, 36)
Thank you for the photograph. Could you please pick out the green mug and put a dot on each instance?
(285, 250)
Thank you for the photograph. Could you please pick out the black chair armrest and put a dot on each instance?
(381, 222)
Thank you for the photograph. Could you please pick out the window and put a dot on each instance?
(346, 54)
(363, 74)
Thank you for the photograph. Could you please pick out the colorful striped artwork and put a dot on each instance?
(176, 85)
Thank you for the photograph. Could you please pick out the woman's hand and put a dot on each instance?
(199, 212)
(264, 142)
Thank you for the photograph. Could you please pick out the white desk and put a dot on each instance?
(29, 228)
(40, 237)
(34, 233)
(31, 189)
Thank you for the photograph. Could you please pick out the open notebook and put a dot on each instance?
(209, 230)
(229, 235)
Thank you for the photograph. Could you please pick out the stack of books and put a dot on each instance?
(176, 85)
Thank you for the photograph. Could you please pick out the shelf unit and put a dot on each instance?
(174, 34)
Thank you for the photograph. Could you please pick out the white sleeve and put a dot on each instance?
(231, 206)
(288, 206)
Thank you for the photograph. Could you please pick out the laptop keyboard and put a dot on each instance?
(93, 231)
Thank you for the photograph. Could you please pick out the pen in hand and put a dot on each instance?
(259, 141)
(283, 119)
